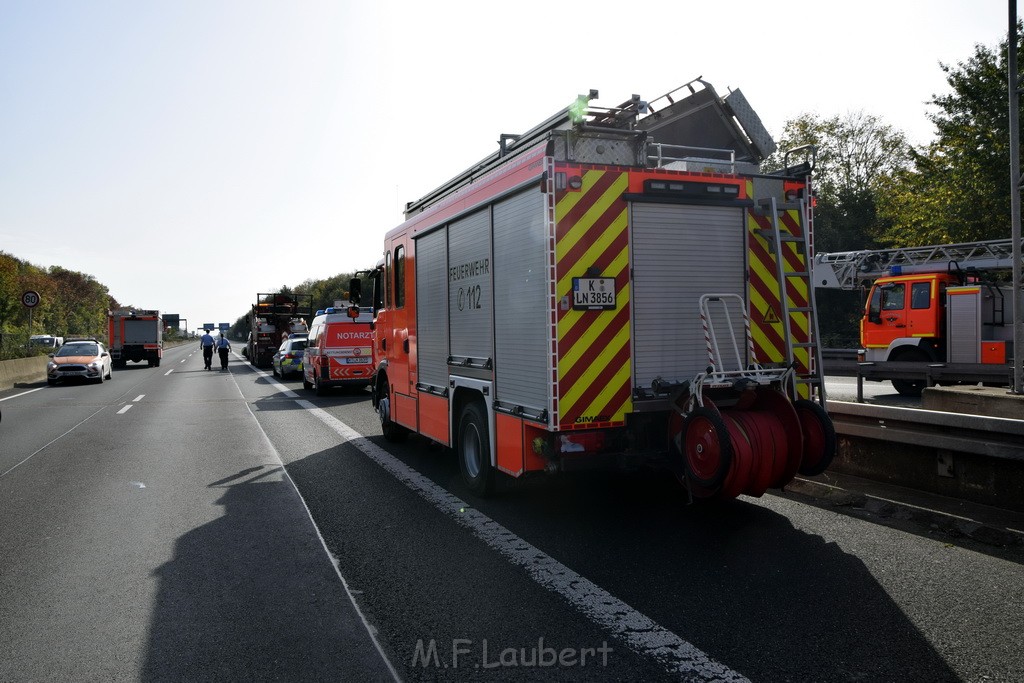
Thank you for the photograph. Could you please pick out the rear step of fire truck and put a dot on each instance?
(744, 428)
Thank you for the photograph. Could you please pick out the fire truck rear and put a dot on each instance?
(615, 287)
(273, 317)
(135, 335)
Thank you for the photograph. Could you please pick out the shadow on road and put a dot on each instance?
(252, 596)
(737, 580)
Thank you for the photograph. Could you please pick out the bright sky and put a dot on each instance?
(190, 154)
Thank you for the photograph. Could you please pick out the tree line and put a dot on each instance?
(875, 190)
(71, 304)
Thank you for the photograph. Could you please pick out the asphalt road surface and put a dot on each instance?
(182, 524)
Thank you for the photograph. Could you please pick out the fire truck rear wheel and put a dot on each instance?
(475, 450)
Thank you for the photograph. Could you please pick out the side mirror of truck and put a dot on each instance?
(355, 290)
(874, 317)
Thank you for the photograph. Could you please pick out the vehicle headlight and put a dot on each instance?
(51, 366)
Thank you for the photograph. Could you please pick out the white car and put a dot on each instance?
(79, 359)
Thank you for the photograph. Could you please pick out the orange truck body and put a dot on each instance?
(934, 317)
(136, 336)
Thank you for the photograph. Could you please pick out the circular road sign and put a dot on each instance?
(30, 298)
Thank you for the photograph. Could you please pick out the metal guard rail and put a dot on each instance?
(930, 373)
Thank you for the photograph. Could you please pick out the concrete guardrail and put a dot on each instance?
(971, 457)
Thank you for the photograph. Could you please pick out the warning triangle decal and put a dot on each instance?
(770, 317)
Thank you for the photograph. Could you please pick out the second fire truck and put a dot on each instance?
(135, 335)
(617, 286)
(941, 305)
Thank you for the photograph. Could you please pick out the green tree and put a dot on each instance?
(71, 304)
(856, 156)
(326, 292)
(958, 188)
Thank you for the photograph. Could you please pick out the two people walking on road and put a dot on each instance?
(206, 344)
(223, 346)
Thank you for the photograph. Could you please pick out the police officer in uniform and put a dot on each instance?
(206, 344)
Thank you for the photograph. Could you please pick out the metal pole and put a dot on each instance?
(1018, 303)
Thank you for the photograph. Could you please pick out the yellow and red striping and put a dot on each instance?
(594, 369)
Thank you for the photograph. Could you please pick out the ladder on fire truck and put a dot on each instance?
(786, 277)
(850, 269)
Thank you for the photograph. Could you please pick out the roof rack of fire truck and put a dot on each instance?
(728, 128)
(510, 144)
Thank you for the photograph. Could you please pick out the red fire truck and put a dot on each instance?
(937, 313)
(615, 287)
(135, 335)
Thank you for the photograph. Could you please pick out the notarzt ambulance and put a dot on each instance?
(339, 350)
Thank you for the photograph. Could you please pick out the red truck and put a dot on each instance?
(135, 335)
(606, 290)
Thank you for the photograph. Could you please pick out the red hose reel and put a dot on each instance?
(761, 441)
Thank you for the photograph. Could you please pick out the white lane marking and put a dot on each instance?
(642, 634)
(125, 409)
(45, 446)
(138, 484)
(184, 359)
(168, 372)
(21, 394)
(323, 543)
(139, 397)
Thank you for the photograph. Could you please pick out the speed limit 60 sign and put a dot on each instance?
(30, 298)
